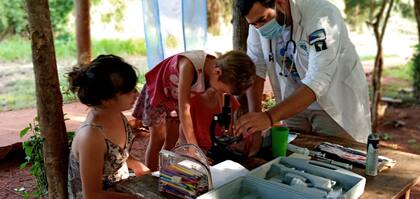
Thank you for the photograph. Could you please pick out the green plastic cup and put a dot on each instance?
(279, 136)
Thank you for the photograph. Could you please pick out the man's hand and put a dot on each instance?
(252, 122)
(257, 121)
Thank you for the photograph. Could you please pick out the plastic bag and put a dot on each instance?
(184, 171)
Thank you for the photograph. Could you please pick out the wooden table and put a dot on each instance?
(390, 183)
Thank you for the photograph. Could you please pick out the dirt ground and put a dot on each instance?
(400, 128)
(12, 178)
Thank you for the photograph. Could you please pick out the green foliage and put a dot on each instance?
(267, 105)
(60, 10)
(14, 19)
(116, 14)
(406, 9)
(357, 12)
(227, 10)
(416, 73)
(35, 158)
(218, 10)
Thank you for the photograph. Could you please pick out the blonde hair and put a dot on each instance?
(238, 71)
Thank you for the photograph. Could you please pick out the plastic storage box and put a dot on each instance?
(293, 178)
(249, 187)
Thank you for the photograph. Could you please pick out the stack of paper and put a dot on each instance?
(226, 171)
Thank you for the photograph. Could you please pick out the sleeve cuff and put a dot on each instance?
(260, 71)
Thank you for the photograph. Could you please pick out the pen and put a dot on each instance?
(336, 163)
(304, 151)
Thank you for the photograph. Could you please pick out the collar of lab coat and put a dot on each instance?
(296, 14)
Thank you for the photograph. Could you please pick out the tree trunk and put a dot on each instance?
(416, 71)
(240, 34)
(417, 12)
(49, 99)
(240, 27)
(379, 27)
(376, 86)
(83, 31)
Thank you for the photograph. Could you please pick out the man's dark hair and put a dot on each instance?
(246, 5)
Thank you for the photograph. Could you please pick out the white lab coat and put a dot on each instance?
(335, 75)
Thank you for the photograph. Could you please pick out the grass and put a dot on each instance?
(119, 47)
(393, 89)
(401, 72)
(15, 48)
(372, 57)
(18, 48)
(20, 93)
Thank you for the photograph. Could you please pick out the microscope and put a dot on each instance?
(220, 150)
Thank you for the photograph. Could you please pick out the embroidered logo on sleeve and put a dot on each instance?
(317, 38)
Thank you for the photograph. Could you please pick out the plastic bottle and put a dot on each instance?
(372, 155)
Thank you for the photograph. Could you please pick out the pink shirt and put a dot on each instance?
(162, 81)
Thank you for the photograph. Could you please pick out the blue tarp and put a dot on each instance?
(173, 26)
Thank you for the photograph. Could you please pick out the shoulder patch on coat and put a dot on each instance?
(317, 38)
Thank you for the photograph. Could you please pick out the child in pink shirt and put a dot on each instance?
(170, 86)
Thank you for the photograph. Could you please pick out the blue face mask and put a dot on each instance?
(271, 29)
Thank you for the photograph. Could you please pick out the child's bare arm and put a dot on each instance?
(91, 148)
(186, 76)
(138, 167)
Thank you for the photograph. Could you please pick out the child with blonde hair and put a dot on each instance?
(164, 102)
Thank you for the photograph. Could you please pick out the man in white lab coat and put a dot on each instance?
(314, 70)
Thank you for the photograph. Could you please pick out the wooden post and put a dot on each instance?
(83, 31)
(240, 34)
(49, 98)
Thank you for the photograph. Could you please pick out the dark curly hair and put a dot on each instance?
(102, 79)
(246, 5)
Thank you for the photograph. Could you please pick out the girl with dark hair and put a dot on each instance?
(100, 152)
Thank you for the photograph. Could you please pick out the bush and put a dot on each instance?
(14, 19)
(35, 158)
(416, 73)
